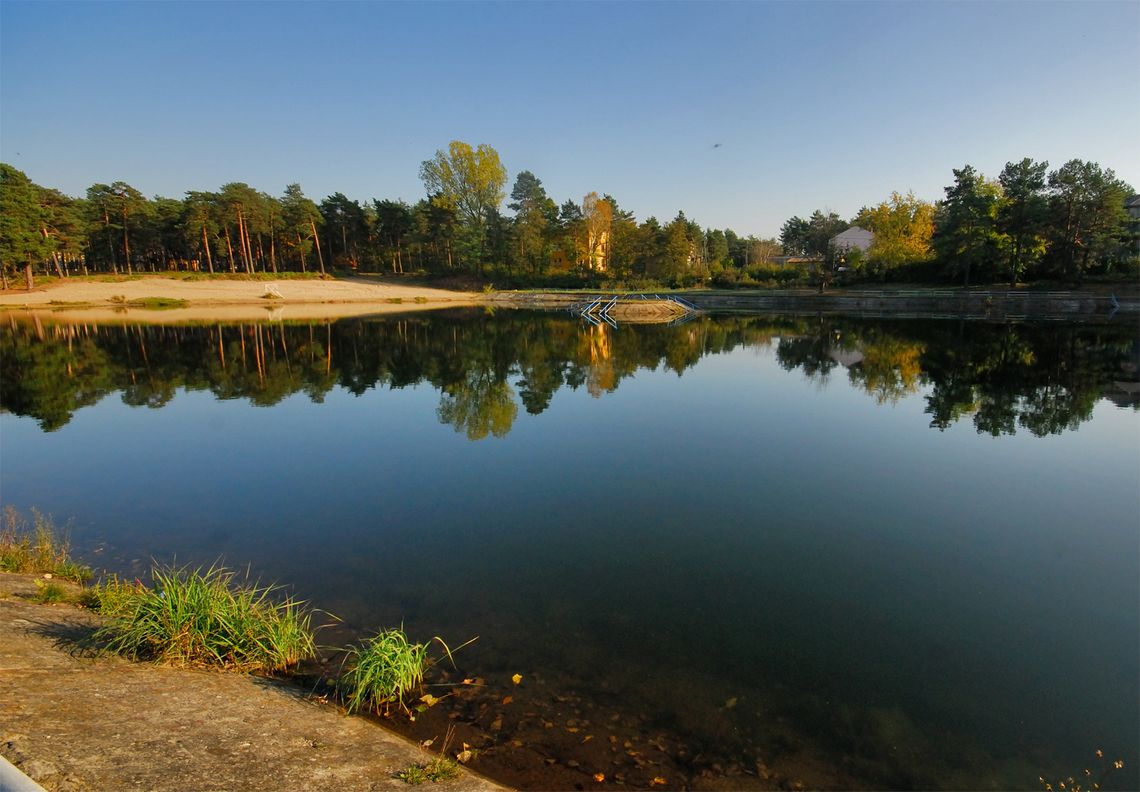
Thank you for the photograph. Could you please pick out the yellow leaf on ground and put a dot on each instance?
(730, 703)
(516, 678)
(599, 777)
(658, 781)
(508, 699)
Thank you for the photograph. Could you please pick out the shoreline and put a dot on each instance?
(77, 719)
(158, 299)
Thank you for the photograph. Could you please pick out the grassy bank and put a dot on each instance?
(192, 617)
(37, 546)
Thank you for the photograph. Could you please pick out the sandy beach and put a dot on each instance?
(227, 300)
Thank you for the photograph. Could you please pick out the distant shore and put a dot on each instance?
(155, 298)
(166, 300)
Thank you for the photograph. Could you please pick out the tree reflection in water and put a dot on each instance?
(1042, 378)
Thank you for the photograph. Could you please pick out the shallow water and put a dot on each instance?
(856, 553)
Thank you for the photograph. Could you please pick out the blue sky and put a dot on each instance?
(815, 105)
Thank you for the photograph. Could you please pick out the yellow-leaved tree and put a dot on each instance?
(469, 180)
(903, 226)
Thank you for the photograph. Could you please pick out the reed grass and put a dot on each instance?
(192, 617)
(381, 671)
(37, 546)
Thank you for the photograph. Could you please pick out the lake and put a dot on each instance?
(739, 551)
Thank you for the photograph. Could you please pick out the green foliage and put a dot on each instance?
(469, 181)
(157, 303)
(382, 671)
(1089, 226)
(966, 234)
(1023, 214)
(193, 617)
(439, 769)
(811, 237)
(37, 547)
(48, 592)
(1072, 226)
(22, 221)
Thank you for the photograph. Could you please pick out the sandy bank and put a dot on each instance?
(228, 300)
(75, 722)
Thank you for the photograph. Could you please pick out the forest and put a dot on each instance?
(1029, 223)
(1040, 378)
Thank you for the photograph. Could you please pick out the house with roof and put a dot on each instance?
(853, 237)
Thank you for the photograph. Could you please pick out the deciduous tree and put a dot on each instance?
(471, 180)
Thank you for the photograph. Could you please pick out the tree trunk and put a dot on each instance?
(29, 278)
(230, 249)
(110, 242)
(317, 240)
(127, 246)
(272, 254)
(301, 253)
(206, 247)
(243, 243)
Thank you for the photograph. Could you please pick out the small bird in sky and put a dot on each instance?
(717, 145)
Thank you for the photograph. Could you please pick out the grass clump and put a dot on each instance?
(382, 670)
(157, 303)
(439, 769)
(48, 592)
(192, 617)
(37, 547)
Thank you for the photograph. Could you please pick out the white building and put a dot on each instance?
(853, 237)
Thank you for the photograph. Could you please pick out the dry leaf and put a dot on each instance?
(658, 781)
(599, 777)
(427, 743)
(429, 699)
(508, 700)
(464, 756)
(516, 678)
(730, 703)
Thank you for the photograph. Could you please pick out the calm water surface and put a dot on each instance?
(857, 553)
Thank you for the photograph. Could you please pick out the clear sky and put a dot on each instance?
(814, 104)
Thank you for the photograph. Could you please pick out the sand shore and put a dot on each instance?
(227, 300)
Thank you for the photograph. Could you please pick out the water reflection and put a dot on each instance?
(733, 544)
(1044, 379)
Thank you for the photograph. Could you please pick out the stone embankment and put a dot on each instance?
(956, 303)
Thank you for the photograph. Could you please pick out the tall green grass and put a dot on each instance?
(192, 617)
(381, 671)
(37, 547)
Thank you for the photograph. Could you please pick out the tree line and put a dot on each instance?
(1044, 379)
(1028, 223)
(458, 228)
